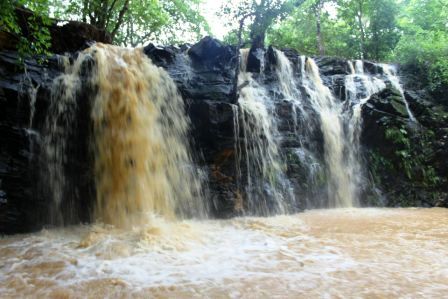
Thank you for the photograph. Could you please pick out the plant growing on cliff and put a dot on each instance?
(30, 29)
(413, 155)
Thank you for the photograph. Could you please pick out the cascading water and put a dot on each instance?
(141, 160)
(31, 92)
(340, 174)
(390, 72)
(142, 169)
(288, 87)
(141, 155)
(268, 189)
(339, 122)
(59, 126)
(359, 88)
(314, 109)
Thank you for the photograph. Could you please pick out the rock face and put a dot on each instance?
(20, 94)
(406, 163)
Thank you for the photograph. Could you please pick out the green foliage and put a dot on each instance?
(32, 33)
(413, 154)
(378, 164)
(403, 165)
(257, 15)
(134, 22)
(349, 28)
(424, 42)
(413, 32)
(232, 37)
(298, 31)
(372, 26)
(399, 137)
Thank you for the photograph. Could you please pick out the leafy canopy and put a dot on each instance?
(133, 22)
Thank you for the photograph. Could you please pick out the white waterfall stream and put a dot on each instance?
(340, 123)
(340, 173)
(268, 190)
(391, 74)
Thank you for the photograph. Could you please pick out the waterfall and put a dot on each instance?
(59, 126)
(139, 144)
(268, 190)
(289, 88)
(317, 114)
(142, 163)
(340, 174)
(31, 91)
(390, 72)
(359, 88)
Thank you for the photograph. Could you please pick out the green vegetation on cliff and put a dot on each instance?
(412, 32)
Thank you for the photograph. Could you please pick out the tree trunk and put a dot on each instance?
(361, 28)
(120, 20)
(317, 13)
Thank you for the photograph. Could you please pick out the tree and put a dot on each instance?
(383, 33)
(372, 25)
(424, 42)
(261, 13)
(354, 29)
(311, 29)
(132, 22)
(317, 7)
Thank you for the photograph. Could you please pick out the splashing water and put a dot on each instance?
(142, 159)
(366, 253)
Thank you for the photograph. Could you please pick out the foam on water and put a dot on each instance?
(324, 253)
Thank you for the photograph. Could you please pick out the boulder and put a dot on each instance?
(329, 66)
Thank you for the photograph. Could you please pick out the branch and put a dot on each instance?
(123, 11)
(141, 39)
(109, 12)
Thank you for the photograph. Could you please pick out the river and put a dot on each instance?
(337, 253)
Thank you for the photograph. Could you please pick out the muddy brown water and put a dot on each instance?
(341, 253)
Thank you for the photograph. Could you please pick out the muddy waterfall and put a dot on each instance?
(118, 162)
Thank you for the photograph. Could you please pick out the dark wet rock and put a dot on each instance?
(332, 66)
(389, 101)
(210, 53)
(76, 36)
(204, 71)
(162, 56)
(406, 159)
(205, 76)
(372, 68)
(337, 85)
(24, 203)
(19, 204)
(255, 59)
